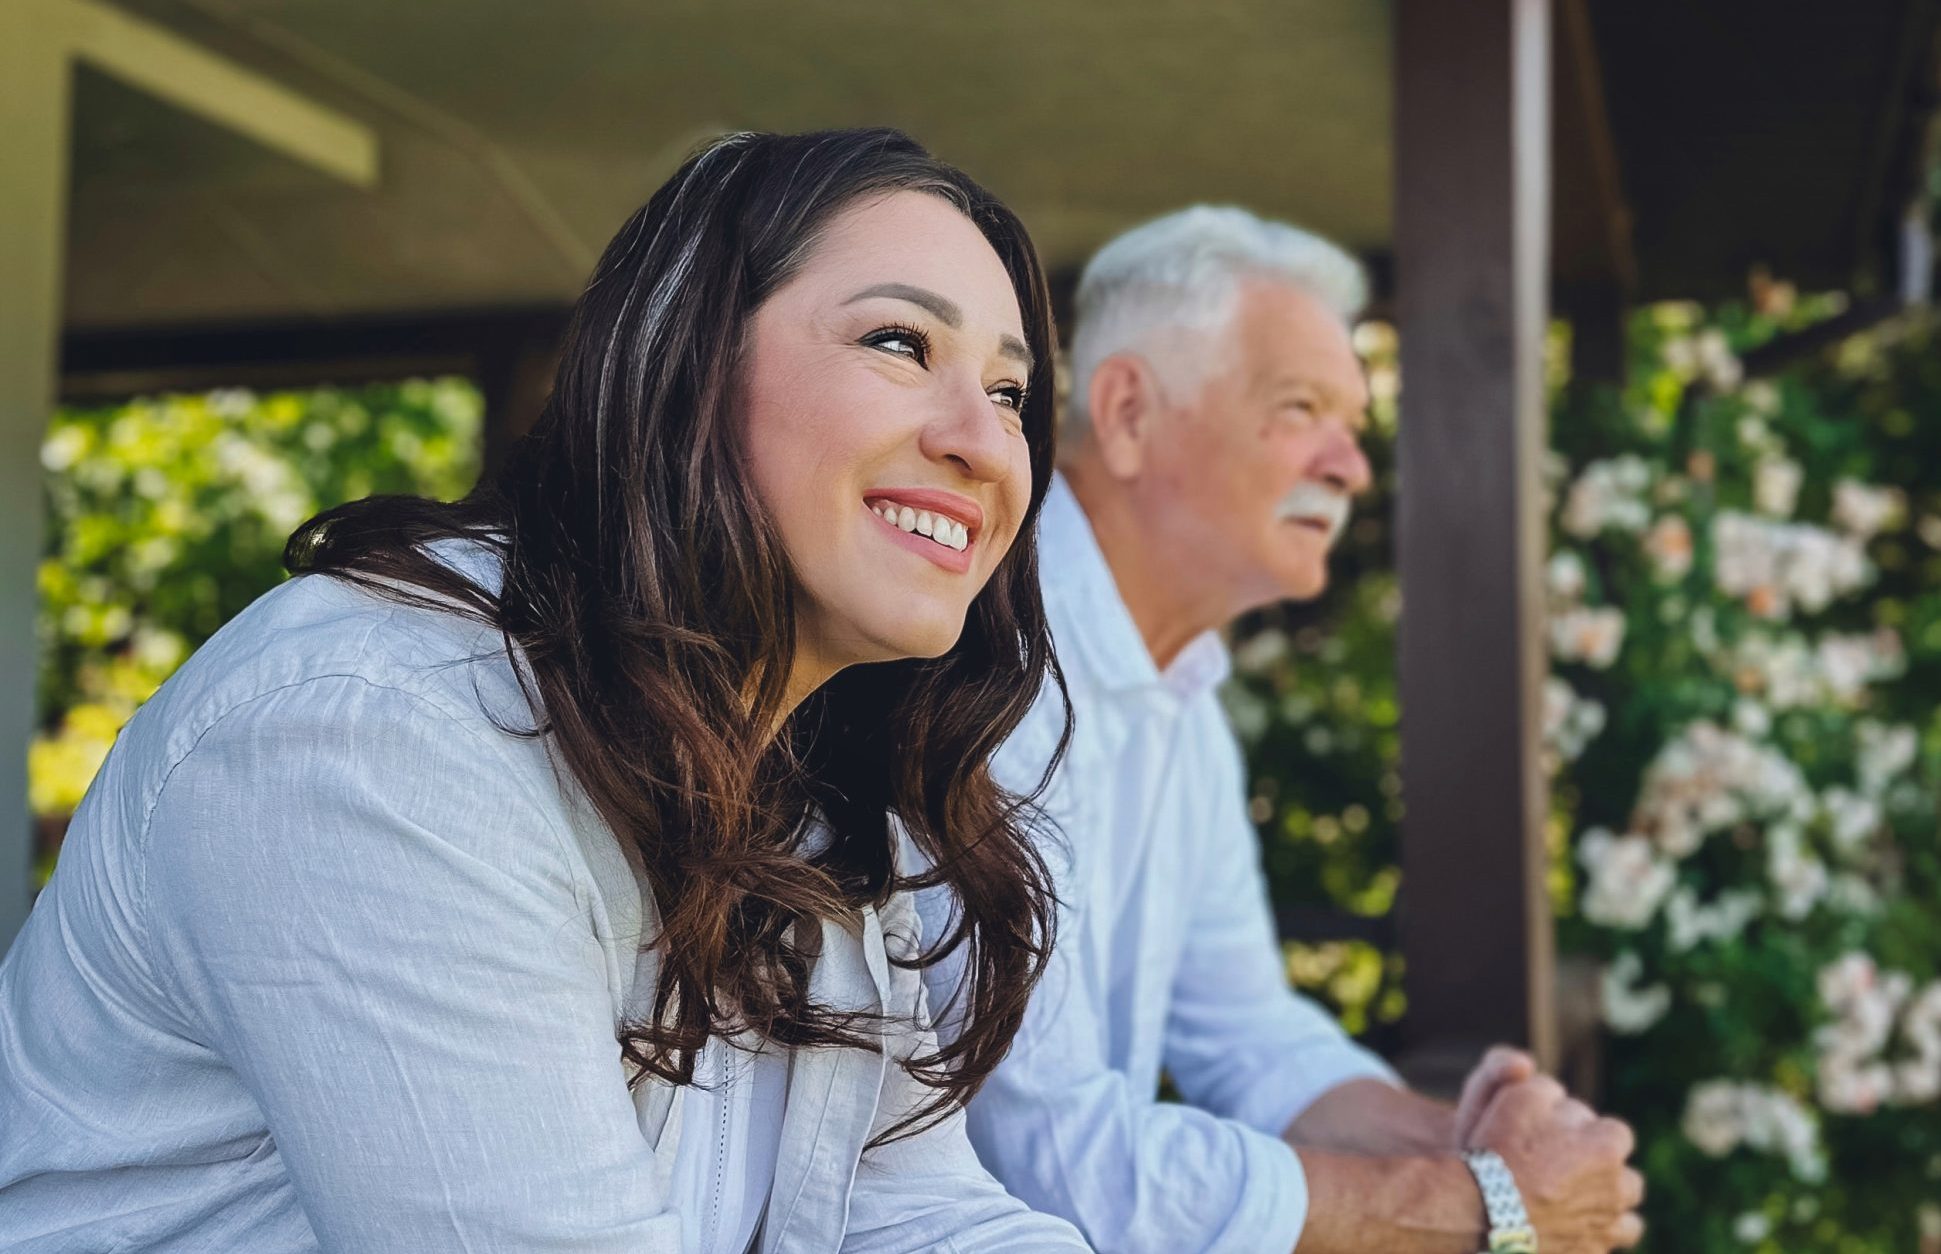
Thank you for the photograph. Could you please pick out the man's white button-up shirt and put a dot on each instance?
(1166, 958)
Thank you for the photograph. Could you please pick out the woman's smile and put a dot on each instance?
(941, 526)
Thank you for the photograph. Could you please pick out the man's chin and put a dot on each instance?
(1307, 586)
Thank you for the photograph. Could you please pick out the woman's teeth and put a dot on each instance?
(945, 531)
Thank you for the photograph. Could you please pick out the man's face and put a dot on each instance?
(1260, 466)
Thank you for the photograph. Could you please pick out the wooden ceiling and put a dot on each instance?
(1691, 140)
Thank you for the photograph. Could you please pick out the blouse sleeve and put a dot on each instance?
(366, 907)
(928, 1191)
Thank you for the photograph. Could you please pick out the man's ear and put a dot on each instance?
(1122, 403)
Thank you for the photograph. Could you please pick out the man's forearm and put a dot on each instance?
(1416, 1205)
(1371, 1117)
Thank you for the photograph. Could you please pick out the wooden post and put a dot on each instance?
(34, 118)
(1472, 211)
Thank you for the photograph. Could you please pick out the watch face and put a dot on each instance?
(1513, 1241)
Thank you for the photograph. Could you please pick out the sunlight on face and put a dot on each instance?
(880, 397)
(1265, 460)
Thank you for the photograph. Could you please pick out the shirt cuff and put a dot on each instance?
(1274, 1206)
(1290, 1089)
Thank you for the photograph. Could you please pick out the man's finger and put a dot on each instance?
(1631, 1189)
(1500, 1067)
(1628, 1231)
(1616, 1136)
(1574, 1114)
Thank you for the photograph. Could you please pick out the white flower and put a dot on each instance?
(1863, 512)
(1628, 1007)
(1773, 565)
(1565, 576)
(1798, 877)
(1714, 1119)
(1850, 894)
(1778, 1123)
(1627, 879)
(1883, 752)
(1870, 1010)
(1749, 718)
(1851, 818)
(1680, 354)
(1722, 1115)
(1690, 923)
(64, 446)
(1761, 396)
(1608, 495)
(1775, 486)
(1848, 1087)
(1752, 1227)
(1570, 722)
(1756, 436)
(1260, 652)
(1587, 634)
(1716, 360)
(1669, 546)
(1705, 779)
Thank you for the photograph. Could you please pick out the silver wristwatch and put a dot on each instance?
(1510, 1231)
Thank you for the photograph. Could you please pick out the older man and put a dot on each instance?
(1209, 459)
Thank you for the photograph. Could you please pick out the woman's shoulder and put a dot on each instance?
(314, 629)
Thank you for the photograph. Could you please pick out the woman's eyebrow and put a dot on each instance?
(944, 310)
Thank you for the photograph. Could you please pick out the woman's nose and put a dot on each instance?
(972, 432)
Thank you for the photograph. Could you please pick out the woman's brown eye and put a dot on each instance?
(900, 341)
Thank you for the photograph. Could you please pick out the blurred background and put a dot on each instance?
(1618, 732)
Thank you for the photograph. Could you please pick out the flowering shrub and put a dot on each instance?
(167, 516)
(1754, 819)
(1745, 634)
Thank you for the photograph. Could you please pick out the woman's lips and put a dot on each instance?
(956, 561)
(953, 505)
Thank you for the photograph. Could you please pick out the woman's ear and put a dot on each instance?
(1123, 402)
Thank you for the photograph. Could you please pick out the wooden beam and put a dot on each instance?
(101, 365)
(1472, 193)
(1583, 124)
(35, 103)
(173, 69)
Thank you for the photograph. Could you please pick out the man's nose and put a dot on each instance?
(970, 431)
(1343, 465)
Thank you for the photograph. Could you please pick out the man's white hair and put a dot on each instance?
(1165, 288)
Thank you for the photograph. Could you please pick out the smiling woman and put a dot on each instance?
(896, 374)
(528, 875)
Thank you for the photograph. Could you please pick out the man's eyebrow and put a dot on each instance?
(944, 310)
(1329, 395)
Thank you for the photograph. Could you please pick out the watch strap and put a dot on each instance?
(1510, 1230)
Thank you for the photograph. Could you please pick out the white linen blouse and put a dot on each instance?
(334, 961)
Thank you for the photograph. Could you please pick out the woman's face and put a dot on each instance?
(880, 394)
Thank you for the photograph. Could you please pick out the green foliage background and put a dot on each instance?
(167, 516)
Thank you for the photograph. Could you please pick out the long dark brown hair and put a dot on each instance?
(650, 606)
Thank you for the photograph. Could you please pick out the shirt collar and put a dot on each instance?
(1090, 621)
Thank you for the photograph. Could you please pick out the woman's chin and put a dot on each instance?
(919, 637)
